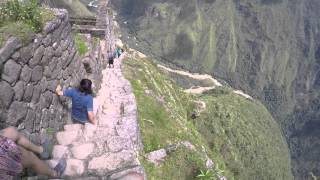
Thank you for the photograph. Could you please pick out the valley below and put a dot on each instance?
(270, 49)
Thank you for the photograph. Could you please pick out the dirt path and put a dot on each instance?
(200, 90)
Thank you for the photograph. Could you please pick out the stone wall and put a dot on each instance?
(30, 74)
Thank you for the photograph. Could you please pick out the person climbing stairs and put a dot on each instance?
(109, 149)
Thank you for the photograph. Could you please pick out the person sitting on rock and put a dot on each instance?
(17, 153)
(82, 102)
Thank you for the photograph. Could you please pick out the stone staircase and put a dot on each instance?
(110, 149)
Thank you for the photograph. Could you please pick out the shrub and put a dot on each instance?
(21, 19)
(26, 11)
(81, 44)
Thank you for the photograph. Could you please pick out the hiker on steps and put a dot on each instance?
(82, 102)
(117, 52)
(110, 57)
(17, 153)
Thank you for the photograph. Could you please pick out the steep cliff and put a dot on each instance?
(269, 48)
(238, 134)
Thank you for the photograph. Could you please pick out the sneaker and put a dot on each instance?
(45, 154)
(60, 167)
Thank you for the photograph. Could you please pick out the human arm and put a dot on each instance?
(90, 111)
(91, 118)
(69, 92)
(59, 91)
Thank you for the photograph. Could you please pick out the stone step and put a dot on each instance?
(82, 151)
(67, 137)
(117, 144)
(74, 167)
(59, 151)
(73, 127)
(123, 174)
(109, 162)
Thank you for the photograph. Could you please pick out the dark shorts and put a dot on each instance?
(110, 61)
(10, 158)
(75, 121)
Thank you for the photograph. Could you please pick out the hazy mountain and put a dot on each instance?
(269, 48)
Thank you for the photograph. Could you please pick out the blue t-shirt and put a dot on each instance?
(81, 104)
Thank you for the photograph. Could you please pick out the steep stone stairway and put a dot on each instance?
(110, 149)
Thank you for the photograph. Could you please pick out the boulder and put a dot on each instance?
(156, 157)
(19, 90)
(11, 71)
(6, 94)
(36, 93)
(28, 93)
(9, 48)
(26, 74)
(37, 56)
(36, 74)
(26, 53)
(17, 112)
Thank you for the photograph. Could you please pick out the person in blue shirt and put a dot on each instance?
(82, 102)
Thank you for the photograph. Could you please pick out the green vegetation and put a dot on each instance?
(95, 42)
(21, 19)
(81, 44)
(239, 135)
(76, 8)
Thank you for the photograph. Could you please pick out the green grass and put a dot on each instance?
(81, 44)
(239, 135)
(17, 29)
(95, 41)
(21, 26)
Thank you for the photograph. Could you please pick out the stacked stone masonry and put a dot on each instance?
(31, 73)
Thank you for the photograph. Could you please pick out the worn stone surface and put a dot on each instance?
(111, 162)
(59, 151)
(116, 144)
(132, 173)
(103, 149)
(36, 94)
(82, 151)
(74, 167)
(17, 112)
(73, 127)
(156, 157)
(37, 74)
(46, 99)
(31, 116)
(37, 57)
(11, 71)
(66, 138)
(19, 90)
(26, 74)
(9, 48)
(25, 53)
(6, 94)
(28, 93)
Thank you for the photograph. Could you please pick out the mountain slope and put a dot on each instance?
(268, 48)
(238, 134)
